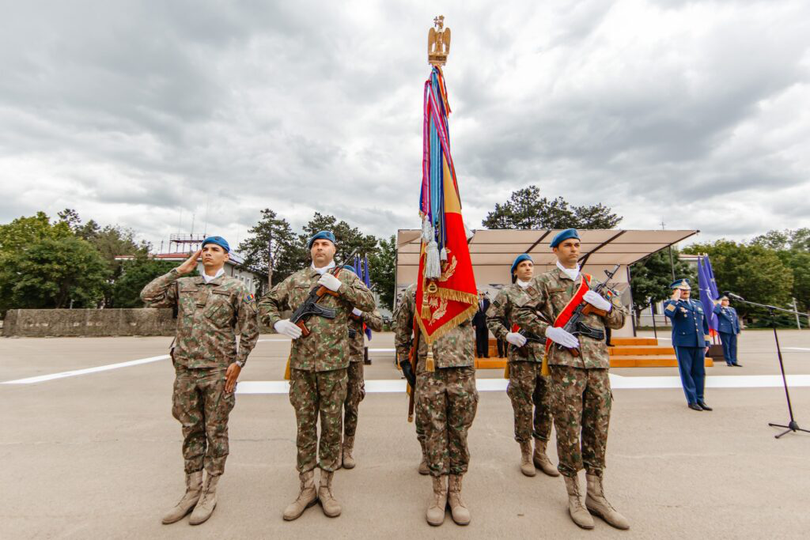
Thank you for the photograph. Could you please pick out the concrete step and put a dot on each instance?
(634, 341)
(649, 361)
(642, 350)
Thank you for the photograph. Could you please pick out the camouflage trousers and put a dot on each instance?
(355, 393)
(581, 401)
(314, 393)
(201, 405)
(531, 401)
(446, 404)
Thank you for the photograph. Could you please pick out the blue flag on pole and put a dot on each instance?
(712, 281)
(706, 296)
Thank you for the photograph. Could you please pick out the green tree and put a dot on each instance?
(525, 209)
(23, 232)
(650, 279)
(135, 274)
(111, 241)
(383, 271)
(54, 273)
(753, 271)
(348, 238)
(273, 232)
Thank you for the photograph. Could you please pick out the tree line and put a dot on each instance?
(66, 262)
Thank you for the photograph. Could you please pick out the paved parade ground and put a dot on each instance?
(89, 449)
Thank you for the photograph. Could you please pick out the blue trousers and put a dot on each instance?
(729, 342)
(691, 364)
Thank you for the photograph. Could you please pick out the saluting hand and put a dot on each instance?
(230, 377)
(190, 264)
(676, 295)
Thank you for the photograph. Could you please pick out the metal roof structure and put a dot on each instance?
(499, 247)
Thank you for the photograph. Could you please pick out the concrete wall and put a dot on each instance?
(88, 322)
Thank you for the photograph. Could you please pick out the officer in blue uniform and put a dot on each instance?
(690, 337)
(729, 327)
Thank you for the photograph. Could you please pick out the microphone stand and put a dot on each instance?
(792, 425)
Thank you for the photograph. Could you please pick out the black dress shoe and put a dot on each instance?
(703, 406)
(736, 365)
(695, 407)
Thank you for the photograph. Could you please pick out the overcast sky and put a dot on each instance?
(149, 113)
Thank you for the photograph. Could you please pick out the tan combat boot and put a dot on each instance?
(306, 497)
(578, 513)
(526, 465)
(459, 511)
(438, 503)
(597, 504)
(541, 460)
(348, 459)
(331, 508)
(424, 470)
(208, 501)
(186, 504)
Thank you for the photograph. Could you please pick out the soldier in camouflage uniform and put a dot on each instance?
(580, 385)
(318, 366)
(207, 364)
(403, 330)
(528, 390)
(356, 388)
(446, 402)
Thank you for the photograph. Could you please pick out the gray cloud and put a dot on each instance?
(148, 113)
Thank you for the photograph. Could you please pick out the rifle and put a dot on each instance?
(576, 327)
(408, 368)
(310, 307)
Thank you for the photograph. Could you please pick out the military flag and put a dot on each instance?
(446, 293)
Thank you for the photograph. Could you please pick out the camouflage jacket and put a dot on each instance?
(327, 347)
(500, 318)
(373, 320)
(548, 295)
(207, 317)
(454, 349)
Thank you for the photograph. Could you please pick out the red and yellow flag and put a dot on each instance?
(446, 294)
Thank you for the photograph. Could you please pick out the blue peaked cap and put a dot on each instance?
(562, 236)
(218, 240)
(321, 235)
(519, 259)
(679, 284)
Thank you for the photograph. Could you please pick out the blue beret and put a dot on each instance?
(680, 284)
(561, 236)
(519, 259)
(321, 235)
(218, 240)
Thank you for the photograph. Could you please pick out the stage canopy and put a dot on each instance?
(493, 251)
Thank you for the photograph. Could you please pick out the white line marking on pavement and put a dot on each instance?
(617, 382)
(382, 350)
(76, 372)
(796, 348)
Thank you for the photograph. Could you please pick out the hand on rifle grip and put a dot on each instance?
(292, 330)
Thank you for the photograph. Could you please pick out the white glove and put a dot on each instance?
(284, 326)
(597, 301)
(561, 337)
(330, 282)
(356, 312)
(516, 339)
